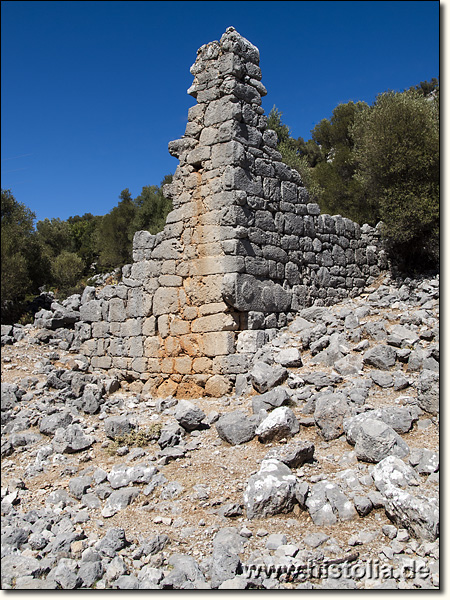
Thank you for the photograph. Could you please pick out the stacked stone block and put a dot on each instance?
(242, 250)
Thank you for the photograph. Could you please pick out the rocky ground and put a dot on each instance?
(322, 471)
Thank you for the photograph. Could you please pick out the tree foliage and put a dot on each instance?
(152, 208)
(398, 165)
(67, 269)
(113, 238)
(116, 229)
(21, 269)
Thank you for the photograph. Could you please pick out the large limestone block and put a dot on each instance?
(218, 343)
(91, 311)
(246, 293)
(168, 300)
(230, 153)
(218, 322)
(139, 303)
(131, 328)
(117, 310)
(221, 110)
(271, 490)
(213, 265)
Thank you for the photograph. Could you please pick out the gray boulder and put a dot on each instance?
(376, 441)
(427, 461)
(186, 573)
(117, 426)
(272, 399)
(50, 423)
(79, 485)
(126, 582)
(382, 378)
(348, 365)
(400, 418)
(293, 454)
(329, 414)
(414, 512)
(65, 574)
(155, 544)
(428, 391)
(289, 357)
(9, 396)
(121, 475)
(327, 503)
(226, 563)
(188, 415)
(380, 356)
(407, 336)
(91, 400)
(321, 379)
(171, 435)
(236, 427)
(114, 540)
(393, 471)
(71, 440)
(265, 377)
(270, 491)
(280, 423)
(119, 500)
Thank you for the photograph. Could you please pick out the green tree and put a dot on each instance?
(67, 269)
(397, 149)
(21, 260)
(114, 234)
(83, 235)
(427, 87)
(152, 208)
(54, 236)
(338, 192)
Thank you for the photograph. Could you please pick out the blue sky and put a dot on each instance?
(92, 92)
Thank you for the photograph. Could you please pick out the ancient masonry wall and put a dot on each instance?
(242, 250)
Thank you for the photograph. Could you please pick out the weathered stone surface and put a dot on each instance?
(270, 400)
(428, 391)
(116, 426)
(236, 427)
(50, 423)
(327, 503)
(188, 415)
(329, 414)
(400, 418)
(289, 357)
(79, 485)
(270, 491)
(114, 540)
(293, 454)
(72, 439)
(226, 563)
(265, 377)
(280, 423)
(119, 500)
(186, 573)
(376, 441)
(380, 356)
(415, 512)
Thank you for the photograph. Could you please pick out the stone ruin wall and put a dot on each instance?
(242, 250)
